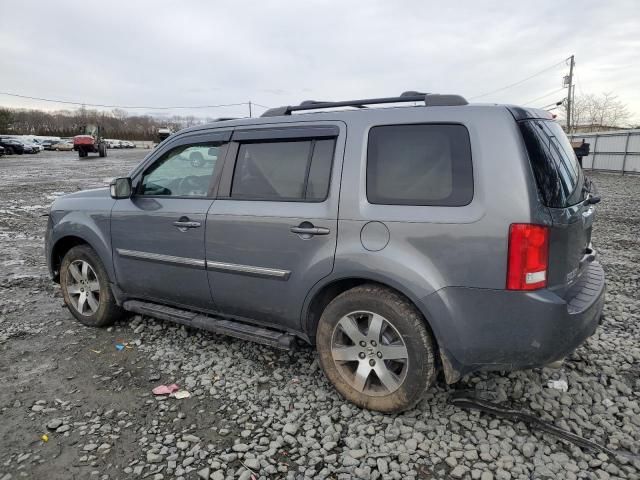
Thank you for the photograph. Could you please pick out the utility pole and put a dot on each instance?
(570, 94)
(249, 108)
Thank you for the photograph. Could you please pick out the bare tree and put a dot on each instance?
(592, 112)
(66, 123)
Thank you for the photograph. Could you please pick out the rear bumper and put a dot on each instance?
(483, 329)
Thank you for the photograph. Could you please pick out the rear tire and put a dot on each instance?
(85, 288)
(102, 150)
(386, 361)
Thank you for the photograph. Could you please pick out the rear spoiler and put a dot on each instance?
(522, 113)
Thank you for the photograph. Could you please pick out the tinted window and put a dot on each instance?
(291, 170)
(554, 163)
(320, 171)
(184, 171)
(419, 165)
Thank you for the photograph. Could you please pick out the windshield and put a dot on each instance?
(558, 174)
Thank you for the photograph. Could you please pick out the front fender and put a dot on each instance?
(92, 227)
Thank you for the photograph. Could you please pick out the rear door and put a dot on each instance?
(158, 234)
(271, 233)
(561, 183)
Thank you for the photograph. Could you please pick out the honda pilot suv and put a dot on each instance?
(400, 241)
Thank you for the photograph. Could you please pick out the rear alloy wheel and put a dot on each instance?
(369, 353)
(375, 348)
(86, 289)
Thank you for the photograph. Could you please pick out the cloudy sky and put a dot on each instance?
(172, 53)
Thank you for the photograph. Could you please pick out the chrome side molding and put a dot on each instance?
(156, 257)
(249, 270)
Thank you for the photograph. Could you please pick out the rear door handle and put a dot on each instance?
(310, 230)
(185, 224)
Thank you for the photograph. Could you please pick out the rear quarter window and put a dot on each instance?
(419, 164)
(554, 163)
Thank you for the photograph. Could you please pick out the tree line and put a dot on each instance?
(592, 113)
(67, 123)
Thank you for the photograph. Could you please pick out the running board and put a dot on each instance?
(245, 331)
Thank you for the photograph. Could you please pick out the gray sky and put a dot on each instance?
(281, 52)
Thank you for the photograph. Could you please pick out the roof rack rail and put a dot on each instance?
(429, 99)
(224, 119)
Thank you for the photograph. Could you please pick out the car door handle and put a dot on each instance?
(310, 230)
(185, 225)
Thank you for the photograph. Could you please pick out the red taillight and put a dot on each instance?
(528, 256)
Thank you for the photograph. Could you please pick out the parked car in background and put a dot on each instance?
(37, 147)
(63, 146)
(12, 146)
(48, 144)
(399, 241)
(30, 147)
(111, 143)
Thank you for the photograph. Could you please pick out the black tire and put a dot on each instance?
(107, 311)
(102, 150)
(409, 328)
(8, 151)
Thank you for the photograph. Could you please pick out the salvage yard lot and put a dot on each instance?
(258, 411)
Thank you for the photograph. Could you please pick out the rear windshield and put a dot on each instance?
(555, 166)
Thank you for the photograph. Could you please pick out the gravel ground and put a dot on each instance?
(255, 412)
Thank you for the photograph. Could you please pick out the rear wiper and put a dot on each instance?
(591, 199)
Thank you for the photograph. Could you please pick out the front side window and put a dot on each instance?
(422, 164)
(283, 170)
(184, 171)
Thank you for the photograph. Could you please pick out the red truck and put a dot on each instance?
(90, 141)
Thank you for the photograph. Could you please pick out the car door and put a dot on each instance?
(271, 233)
(158, 234)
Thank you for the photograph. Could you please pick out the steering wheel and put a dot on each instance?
(191, 185)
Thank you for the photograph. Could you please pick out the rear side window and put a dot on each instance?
(419, 165)
(284, 170)
(554, 163)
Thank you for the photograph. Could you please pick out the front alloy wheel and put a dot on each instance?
(83, 287)
(86, 288)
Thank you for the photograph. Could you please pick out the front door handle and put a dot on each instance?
(185, 224)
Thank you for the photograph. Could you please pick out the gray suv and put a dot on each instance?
(399, 241)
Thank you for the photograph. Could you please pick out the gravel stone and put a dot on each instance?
(290, 428)
(154, 457)
(55, 423)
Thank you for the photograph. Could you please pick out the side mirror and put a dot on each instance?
(120, 188)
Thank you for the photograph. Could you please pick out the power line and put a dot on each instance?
(131, 107)
(543, 96)
(519, 81)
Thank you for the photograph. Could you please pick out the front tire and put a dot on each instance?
(85, 288)
(375, 349)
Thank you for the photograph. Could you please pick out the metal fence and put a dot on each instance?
(617, 151)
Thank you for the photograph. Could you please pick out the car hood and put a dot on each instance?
(91, 193)
(97, 199)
